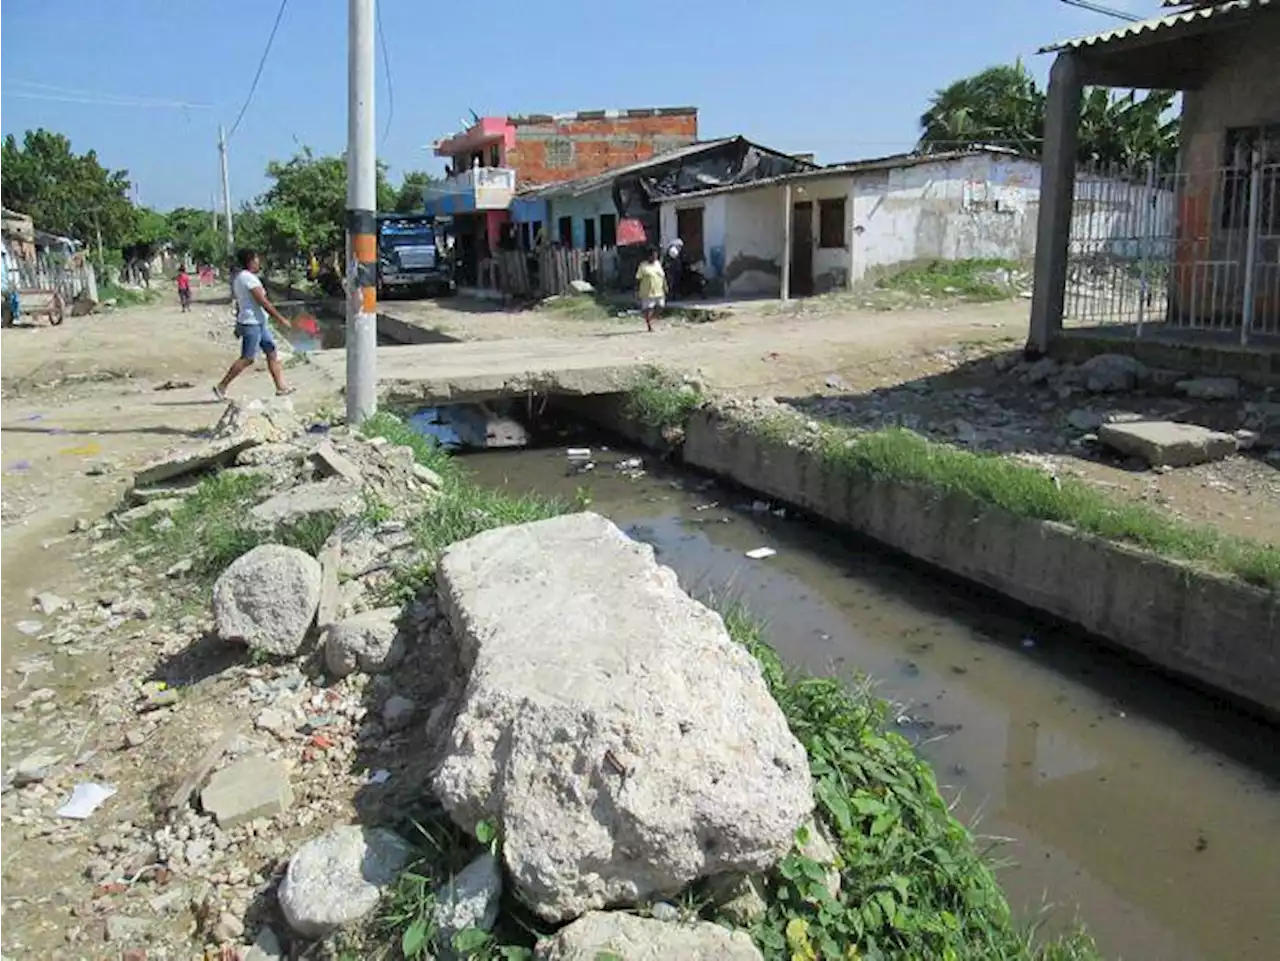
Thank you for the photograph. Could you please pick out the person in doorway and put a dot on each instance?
(651, 286)
(252, 311)
(184, 288)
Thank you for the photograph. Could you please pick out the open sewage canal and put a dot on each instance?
(1145, 809)
(1148, 810)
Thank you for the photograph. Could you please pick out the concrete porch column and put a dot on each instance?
(1057, 185)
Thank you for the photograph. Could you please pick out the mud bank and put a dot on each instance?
(1211, 629)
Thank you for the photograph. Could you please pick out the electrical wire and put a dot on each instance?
(261, 64)
(386, 64)
(48, 91)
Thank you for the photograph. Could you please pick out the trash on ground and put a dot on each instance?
(85, 799)
(631, 463)
(29, 628)
(760, 553)
(707, 506)
(1028, 642)
(380, 776)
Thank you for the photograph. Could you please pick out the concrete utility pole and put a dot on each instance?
(226, 190)
(362, 227)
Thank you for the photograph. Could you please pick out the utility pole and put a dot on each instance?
(226, 190)
(362, 227)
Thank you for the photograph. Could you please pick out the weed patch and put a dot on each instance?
(661, 401)
(577, 307)
(968, 279)
(1026, 492)
(211, 529)
(128, 296)
(459, 510)
(913, 882)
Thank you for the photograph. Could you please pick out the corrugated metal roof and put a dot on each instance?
(1194, 17)
(892, 162)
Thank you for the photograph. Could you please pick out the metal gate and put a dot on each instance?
(1177, 252)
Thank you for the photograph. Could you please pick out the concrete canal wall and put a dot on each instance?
(1209, 628)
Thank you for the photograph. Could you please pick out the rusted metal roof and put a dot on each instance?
(1183, 21)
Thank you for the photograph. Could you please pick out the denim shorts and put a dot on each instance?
(255, 337)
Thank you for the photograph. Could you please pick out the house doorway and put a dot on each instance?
(689, 229)
(802, 249)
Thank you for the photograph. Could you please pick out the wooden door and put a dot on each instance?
(802, 249)
(689, 229)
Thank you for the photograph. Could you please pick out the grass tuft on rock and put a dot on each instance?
(903, 455)
(661, 400)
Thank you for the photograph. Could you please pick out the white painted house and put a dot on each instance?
(829, 228)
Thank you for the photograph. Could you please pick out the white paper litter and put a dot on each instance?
(760, 553)
(578, 453)
(85, 799)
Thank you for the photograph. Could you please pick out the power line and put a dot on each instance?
(1106, 11)
(261, 64)
(386, 63)
(47, 91)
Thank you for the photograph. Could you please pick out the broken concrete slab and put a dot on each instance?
(609, 723)
(259, 421)
(219, 453)
(1209, 388)
(620, 936)
(330, 559)
(334, 494)
(1166, 443)
(332, 463)
(1111, 373)
(253, 787)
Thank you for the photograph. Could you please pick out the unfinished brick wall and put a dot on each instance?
(550, 149)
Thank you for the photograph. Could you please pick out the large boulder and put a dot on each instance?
(626, 937)
(1112, 373)
(625, 744)
(337, 878)
(369, 642)
(267, 599)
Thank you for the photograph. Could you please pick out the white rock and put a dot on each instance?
(266, 947)
(470, 900)
(368, 642)
(49, 603)
(619, 936)
(1209, 388)
(337, 878)
(625, 744)
(334, 494)
(228, 928)
(1110, 373)
(267, 598)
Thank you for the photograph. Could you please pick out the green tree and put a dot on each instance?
(999, 105)
(192, 234)
(1003, 105)
(408, 198)
(306, 204)
(65, 192)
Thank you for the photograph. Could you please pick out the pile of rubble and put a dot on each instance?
(555, 684)
(1044, 408)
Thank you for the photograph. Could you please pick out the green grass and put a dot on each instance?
(968, 279)
(1026, 492)
(127, 296)
(211, 528)
(459, 510)
(578, 307)
(661, 400)
(914, 883)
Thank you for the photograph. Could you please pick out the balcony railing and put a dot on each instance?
(477, 178)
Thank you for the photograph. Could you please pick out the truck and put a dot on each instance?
(408, 257)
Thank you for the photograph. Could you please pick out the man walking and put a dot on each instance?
(252, 310)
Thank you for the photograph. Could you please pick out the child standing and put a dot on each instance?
(651, 286)
(184, 289)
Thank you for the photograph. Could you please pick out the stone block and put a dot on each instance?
(253, 787)
(1166, 443)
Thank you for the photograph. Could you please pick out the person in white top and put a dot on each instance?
(252, 327)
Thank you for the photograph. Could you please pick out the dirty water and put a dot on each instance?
(1149, 811)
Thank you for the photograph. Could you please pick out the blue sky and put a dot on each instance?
(843, 78)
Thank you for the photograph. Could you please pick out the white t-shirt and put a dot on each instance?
(248, 311)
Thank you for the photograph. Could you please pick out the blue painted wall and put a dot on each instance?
(587, 207)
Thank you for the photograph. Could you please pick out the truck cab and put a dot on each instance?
(408, 257)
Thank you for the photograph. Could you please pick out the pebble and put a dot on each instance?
(397, 712)
(228, 928)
